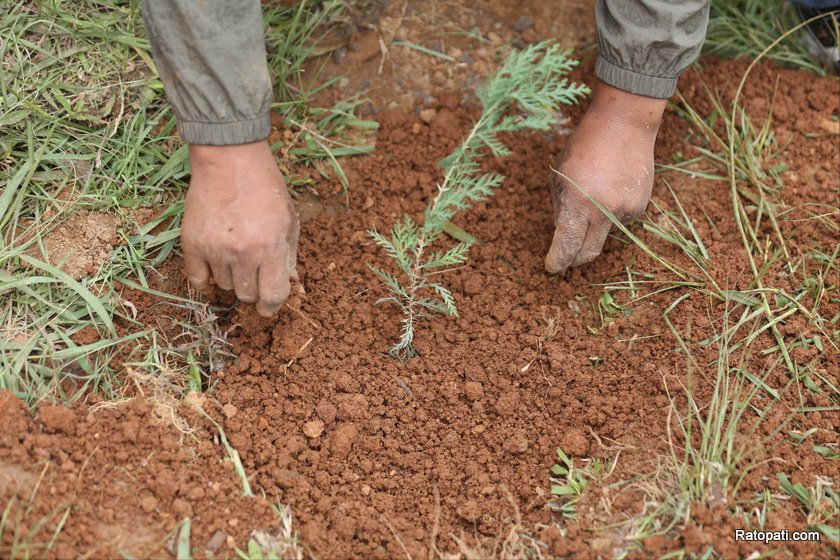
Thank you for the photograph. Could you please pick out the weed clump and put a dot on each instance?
(531, 80)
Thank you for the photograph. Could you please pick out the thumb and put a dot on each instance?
(570, 228)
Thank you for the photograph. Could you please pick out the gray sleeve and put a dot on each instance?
(212, 61)
(644, 45)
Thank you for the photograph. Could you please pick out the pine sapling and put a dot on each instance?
(532, 80)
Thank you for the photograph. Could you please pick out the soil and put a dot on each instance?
(452, 450)
(80, 244)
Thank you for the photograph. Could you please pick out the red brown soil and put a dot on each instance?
(379, 459)
(362, 447)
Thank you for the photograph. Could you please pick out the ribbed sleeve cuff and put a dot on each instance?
(634, 82)
(225, 133)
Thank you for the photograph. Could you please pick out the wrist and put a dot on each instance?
(202, 154)
(619, 108)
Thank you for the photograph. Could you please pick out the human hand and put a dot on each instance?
(240, 227)
(608, 159)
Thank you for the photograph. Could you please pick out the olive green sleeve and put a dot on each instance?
(644, 45)
(211, 58)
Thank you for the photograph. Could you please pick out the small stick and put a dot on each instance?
(305, 317)
(396, 536)
(435, 524)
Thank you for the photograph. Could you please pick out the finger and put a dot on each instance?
(222, 275)
(273, 281)
(593, 244)
(197, 270)
(245, 282)
(293, 244)
(569, 233)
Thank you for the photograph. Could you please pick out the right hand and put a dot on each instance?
(240, 228)
(608, 159)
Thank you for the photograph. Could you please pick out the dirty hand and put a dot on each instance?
(609, 159)
(240, 227)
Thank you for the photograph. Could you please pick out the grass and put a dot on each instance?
(821, 503)
(233, 454)
(86, 128)
(263, 545)
(746, 27)
(725, 416)
(280, 545)
(569, 483)
(716, 434)
(21, 535)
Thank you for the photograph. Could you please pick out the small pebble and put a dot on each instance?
(473, 390)
(339, 54)
(216, 541)
(516, 445)
(229, 410)
(313, 429)
(426, 115)
(523, 23)
(149, 503)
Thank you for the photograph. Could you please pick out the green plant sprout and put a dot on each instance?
(821, 503)
(569, 482)
(532, 80)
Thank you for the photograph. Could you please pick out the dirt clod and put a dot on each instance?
(326, 411)
(343, 438)
(427, 115)
(352, 407)
(473, 390)
(575, 442)
(313, 429)
(57, 419)
(229, 411)
(81, 244)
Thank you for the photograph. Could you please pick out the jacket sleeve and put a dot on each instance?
(212, 61)
(644, 45)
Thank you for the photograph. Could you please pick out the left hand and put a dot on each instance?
(608, 159)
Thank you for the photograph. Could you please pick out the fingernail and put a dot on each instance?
(268, 311)
(200, 285)
(554, 260)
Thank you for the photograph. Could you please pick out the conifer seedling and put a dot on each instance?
(533, 82)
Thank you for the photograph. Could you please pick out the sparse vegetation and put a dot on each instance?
(569, 482)
(280, 545)
(718, 411)
(746, 27)
(821, 503)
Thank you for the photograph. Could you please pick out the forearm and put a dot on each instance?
(212, 61)
(644, 45)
